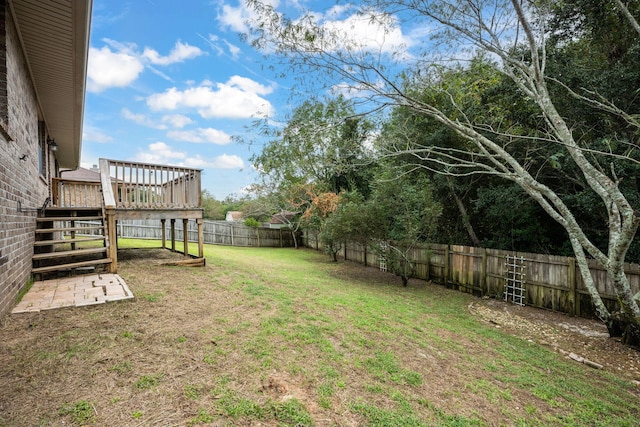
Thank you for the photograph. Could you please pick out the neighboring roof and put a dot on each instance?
(234, 216)
(81, 174)
(55, 38)
(282, 218)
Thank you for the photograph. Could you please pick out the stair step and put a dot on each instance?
(73, 209)
(61, 254)
(70, 266)
(53, 230)
(69, 218)
(57, 242)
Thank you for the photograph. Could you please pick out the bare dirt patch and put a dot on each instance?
(586, 338)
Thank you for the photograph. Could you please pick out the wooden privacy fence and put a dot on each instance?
(215, 232)
(549, 281)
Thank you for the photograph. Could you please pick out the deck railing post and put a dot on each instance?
(164, 233)
(113, 240)
(200, 238)
(173, 234)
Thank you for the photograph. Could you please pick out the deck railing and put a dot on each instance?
(69, 193)
(132, 185)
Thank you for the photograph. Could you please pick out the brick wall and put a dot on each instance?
(20, 180)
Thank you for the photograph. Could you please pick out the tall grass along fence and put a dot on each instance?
(215, 232)
(544, 281)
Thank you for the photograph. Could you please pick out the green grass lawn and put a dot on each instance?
(284, 337)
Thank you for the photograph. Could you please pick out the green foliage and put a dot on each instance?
(217, 209)
(151, 297)
(213, 209)
(385, 366)
(203, 417)
(321, 144)
(236, 407)
(252, 222)
(121, 367)
(292, 413)
(192, 391)
(379, 417)
(81, 412)
(501, 215)
(24, 290)
(512, 221)
(148, 381)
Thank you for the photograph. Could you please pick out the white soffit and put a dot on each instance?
(55, 38)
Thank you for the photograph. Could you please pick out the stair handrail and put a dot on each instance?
(107, 188)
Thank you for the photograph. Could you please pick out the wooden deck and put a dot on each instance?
(133, 190)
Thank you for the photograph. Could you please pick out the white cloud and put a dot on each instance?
(224, 161)
(346, 27)
(366, 32)
(177, 120)
(338, 10)
(141, 119)
(161, 153)
(92, 134)
(201, 135)
(235, 18)
(120, 64)
(233, 50)
(239, 97)
(179, 53)
(108, 69)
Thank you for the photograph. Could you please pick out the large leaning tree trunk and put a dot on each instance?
(512, 34)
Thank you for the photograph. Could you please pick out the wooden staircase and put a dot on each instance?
(64, 247)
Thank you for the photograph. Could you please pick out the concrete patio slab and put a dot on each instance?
(74, 291)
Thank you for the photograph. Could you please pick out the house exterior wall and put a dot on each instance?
(22, 187)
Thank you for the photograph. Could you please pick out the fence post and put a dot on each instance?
(365, 255)
(345, 251)
(483, 274)
(574, 303)
(428, 263)
(446, 266)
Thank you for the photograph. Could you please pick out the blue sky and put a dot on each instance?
(172, 82)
